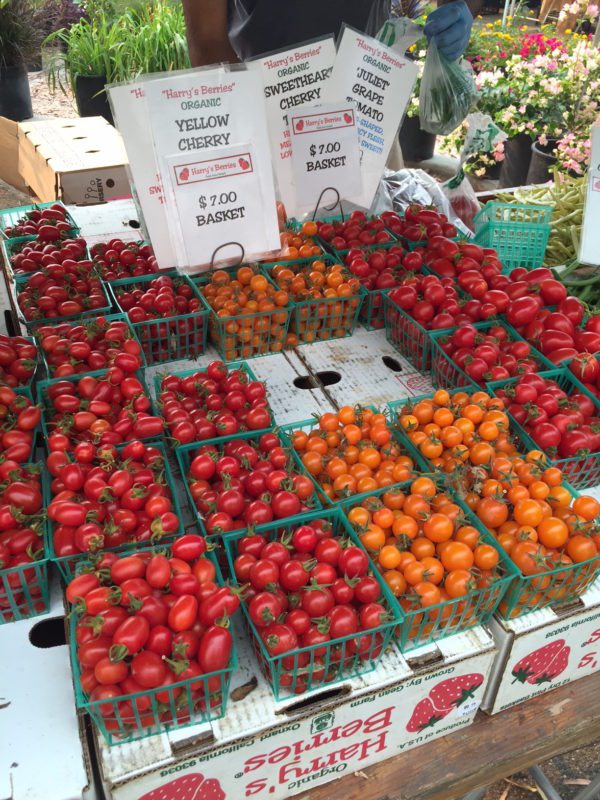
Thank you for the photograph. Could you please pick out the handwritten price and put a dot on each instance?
(321, 149)
(213, 200)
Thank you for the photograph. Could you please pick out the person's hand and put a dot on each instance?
(450, 27)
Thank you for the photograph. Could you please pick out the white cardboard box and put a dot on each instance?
(370, 370)
(542, 651)
(43, 749)
(265, 749)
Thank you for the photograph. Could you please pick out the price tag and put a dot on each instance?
(218, 200)
(589, 250)
(324, 152)
(197, 113)
(291, 78)
(129, 110)
(380, 82)
(467, 708)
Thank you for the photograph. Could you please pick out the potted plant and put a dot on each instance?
(20, 37)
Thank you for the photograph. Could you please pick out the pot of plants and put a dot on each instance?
(492, 171)
(91, 98)
(15, 97)
(416, 144)
(517, 157)
(542, 161)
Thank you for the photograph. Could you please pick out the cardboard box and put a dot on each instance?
(43, 747)
(363, 368)
(80, 160)
(263, 749)
(9, 154)
(544, 650)
(118, 219)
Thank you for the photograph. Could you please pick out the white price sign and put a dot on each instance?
(291, 78)
(218, 200)
(380, 82)
(589, 250)
(325, 152)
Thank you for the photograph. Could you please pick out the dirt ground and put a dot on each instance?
(569, 772)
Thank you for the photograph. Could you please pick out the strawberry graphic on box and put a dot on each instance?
(188, 787)
(443, 698)
(300, 125)
(184, 174)
(348, 117)
(544, 664)
(243, 163)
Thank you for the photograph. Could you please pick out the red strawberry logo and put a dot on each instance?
(300, 125)
(443, 698)
(188, 787)
(243, 163)
(544, 664)
(184, 174)
(348, 117)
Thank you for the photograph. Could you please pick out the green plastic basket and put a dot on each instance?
(90, 312)
(241, 365)
(186, 453)
(448, 375)
(394, 239)
(88, 322)
(420, 626)
(68, 565)
(47, 407)
(247, 335)
(170, 338)
(324, 318)
(549, 588)
(24, 590)
(582, 472)
(10, 248)
(10, 217)
(518, 232)
(308, 668)
(307, 425)
(410, 339)
(27, 388)
(176, 705)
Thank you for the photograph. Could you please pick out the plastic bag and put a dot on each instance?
(462, 198)
(447, 92)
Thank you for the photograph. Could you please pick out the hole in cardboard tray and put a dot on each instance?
(306, 382)
(203, 739)
(110, 183)
(133, 223)
(80, 137)
(92, 151)
(329, 377)
(48, 633)
(302, 705)
(428, 659)
(391, 363)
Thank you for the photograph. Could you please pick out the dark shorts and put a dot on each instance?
(261, 26)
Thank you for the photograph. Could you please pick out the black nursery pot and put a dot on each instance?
(542, 161)
(15, 97)
(416, 144)
(517, 158)
(91, 99)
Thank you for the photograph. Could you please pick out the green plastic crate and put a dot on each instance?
(409, 338)
(91, 312)
(308, 668)
(307, 425)
(518, 232)
(47, 407)
(448, 375)
(186, 454)
(27, 388)
(419, 626)
(549, 588)
(68, 565)
(88, 322)
(169, 338)
(247, 335)
(231, 366)
(318, 319)
(178, 705)
(24, 590)
(582, 472)
(11, 216)
(10, 248)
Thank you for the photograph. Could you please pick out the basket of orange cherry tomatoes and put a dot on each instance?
(351, 452)
(300, 242)
(250, 315)
(325, 297)
(445, 571)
